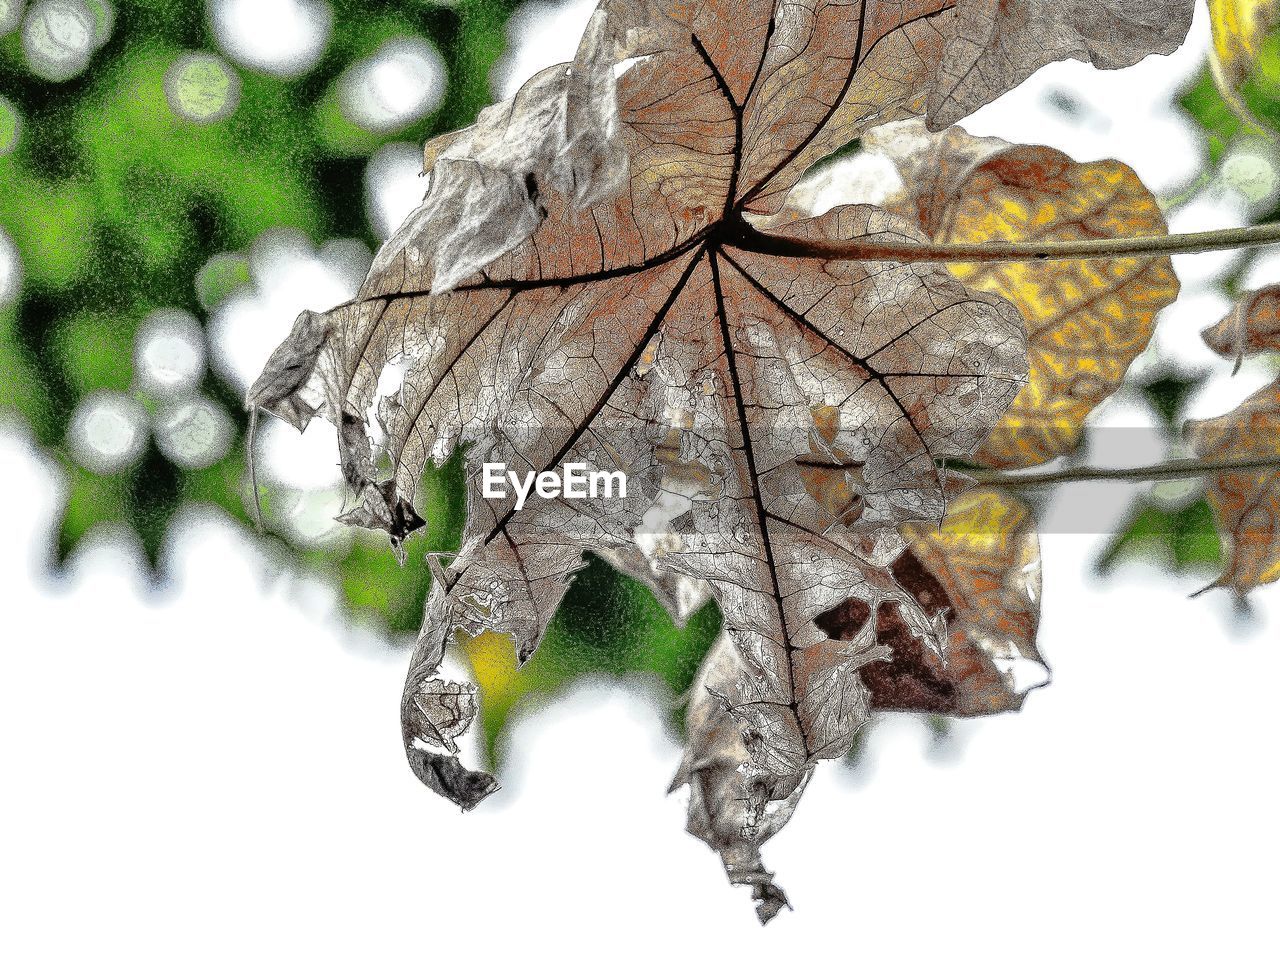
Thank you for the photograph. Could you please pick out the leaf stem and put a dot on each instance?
(1172, 470)
(904, 251)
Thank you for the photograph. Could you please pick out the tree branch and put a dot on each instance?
(1173, 470)
(903, 251)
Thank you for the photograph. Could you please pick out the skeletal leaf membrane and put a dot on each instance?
(1253, 326)
(1246, 503)
(1239, 29)
(1087, 320)
(634, 329)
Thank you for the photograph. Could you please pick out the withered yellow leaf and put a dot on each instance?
(1087, 320)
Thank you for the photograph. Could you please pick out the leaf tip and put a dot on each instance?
(446, 775)
(770, 901)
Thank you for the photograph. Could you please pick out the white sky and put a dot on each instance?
(215, 770)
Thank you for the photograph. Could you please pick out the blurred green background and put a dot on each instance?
(142, 157)
(137, 171)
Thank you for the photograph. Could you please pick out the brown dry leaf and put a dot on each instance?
(975, 579)
(1252, 327)
(731, 809)
(1087, 320)
(980, 570)
(999, 43)
(547, 316)
(1246, 503)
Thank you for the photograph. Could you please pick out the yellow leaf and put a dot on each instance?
(1087, 320)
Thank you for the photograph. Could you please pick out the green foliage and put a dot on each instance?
(1183, 539)
(119, 205)
(1168, 394)
(1205, 105)
(1180, 537)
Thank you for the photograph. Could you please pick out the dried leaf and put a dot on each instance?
(560, 132)
(285, 386)
(933, 167)
(731, 810)
(941, 59)
(974, 580)
(1087, 320)
(434, 712)
(1239, 29)
(999, 43)
(630, 330)
(1252, 327)
(980, 570)
(1246, 503)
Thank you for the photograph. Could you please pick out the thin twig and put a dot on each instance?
(903, 251)
(253, 468)
(1173, 470)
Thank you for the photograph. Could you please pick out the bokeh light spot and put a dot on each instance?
(540, 33)
(394, 185)
(282, 37)
(221, 276)
(193, 434)
(1250, 170)
(108, 431)
(202, 87)
(170, 353)
(403, 81)
(10, 15)
(308, 518)
(10, 270)
(59, 37)
(348, 259)
(251, 321)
